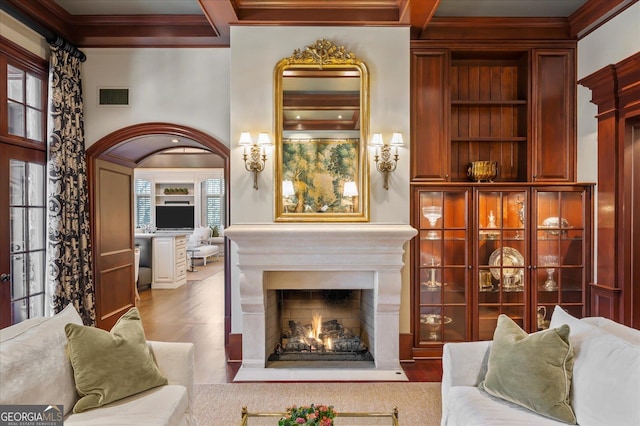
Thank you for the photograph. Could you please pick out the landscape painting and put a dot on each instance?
(319, 170)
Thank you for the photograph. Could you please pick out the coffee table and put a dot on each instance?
(368, 418)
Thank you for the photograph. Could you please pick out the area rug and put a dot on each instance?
(221, 404)
(202, 272)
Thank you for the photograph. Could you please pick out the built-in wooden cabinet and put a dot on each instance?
(518, 245)
(487, 249)
(515, 107)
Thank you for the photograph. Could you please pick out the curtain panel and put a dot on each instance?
(69, 260)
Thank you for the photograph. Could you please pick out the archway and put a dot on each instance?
(106, 149)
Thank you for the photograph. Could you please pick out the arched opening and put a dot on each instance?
(129, 147)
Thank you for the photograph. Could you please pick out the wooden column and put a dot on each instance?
(616, 91)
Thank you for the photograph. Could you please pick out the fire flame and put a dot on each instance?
(316, 326)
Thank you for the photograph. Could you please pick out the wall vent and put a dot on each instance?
(113, 96)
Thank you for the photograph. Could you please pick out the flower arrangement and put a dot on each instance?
(312, 415)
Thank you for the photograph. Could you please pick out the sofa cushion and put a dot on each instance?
(468, 405)
(629, 334)
(532, 370)
(606, 382)
(109, 366)
(34, 368)
(165, 405)
(606, 372)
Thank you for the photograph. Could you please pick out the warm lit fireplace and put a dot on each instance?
(308, 260)
(318, 325)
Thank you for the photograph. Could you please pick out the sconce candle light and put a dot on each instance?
(384, 162)
(256, 159)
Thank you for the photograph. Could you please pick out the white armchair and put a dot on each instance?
(199, 245)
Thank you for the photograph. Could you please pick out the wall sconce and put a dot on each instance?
(258, 156)
(384, 163)
(350, 190)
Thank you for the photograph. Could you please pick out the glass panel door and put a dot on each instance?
(560, 252)
(23, 229)
(501, 258)
(442, 272)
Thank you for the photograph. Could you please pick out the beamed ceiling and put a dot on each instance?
(155, 23)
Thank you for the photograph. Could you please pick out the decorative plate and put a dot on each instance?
(507, 256)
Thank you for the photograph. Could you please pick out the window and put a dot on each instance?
(26, 95)
(213, 202)
(143, 202)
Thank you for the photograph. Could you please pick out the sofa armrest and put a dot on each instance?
(463, 364)
(176, 361)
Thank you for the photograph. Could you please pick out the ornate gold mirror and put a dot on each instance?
(321, 127)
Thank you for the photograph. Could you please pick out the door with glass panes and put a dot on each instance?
(22, 232)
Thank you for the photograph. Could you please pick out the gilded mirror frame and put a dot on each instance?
(321, 56)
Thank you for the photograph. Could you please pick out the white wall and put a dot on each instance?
(616, 40)
(255, 51)
(185, 86)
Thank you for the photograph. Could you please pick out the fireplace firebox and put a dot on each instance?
(320, 325)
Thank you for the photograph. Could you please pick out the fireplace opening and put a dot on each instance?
(320, 326)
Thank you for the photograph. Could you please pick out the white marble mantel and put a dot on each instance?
(376, 249)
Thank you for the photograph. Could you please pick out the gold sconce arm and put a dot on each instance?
(386, 162)
(254, 161)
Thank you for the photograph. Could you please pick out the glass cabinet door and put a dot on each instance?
(442, 271)
(560, 258)
(500, 286)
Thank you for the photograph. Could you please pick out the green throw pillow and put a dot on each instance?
(532, 370)
(108, 366)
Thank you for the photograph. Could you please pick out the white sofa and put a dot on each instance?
(200, 246)
(605, 388)
(35, 370)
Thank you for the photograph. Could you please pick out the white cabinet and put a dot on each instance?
(169, 261)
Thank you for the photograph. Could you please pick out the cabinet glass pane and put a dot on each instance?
(455, 248)
(35, 189)
(571, 279)
(455, 330)
(430, 252)
(514, 207)
(572, 208)
(432, 323)
(17, 224)
(455, 285)
(431, 207)
(17, 182)
(455, 210)
(571, 250)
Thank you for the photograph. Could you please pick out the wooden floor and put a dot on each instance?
(195, 313)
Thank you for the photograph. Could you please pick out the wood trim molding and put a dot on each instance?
(595, 13)
(496, 29)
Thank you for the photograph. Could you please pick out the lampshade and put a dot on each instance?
(263, 139)
(245, 139)
(350, 189)
(396, 139)
(376, 139)
(287, 188)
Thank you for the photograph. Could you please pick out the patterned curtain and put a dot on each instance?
(69, 261)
